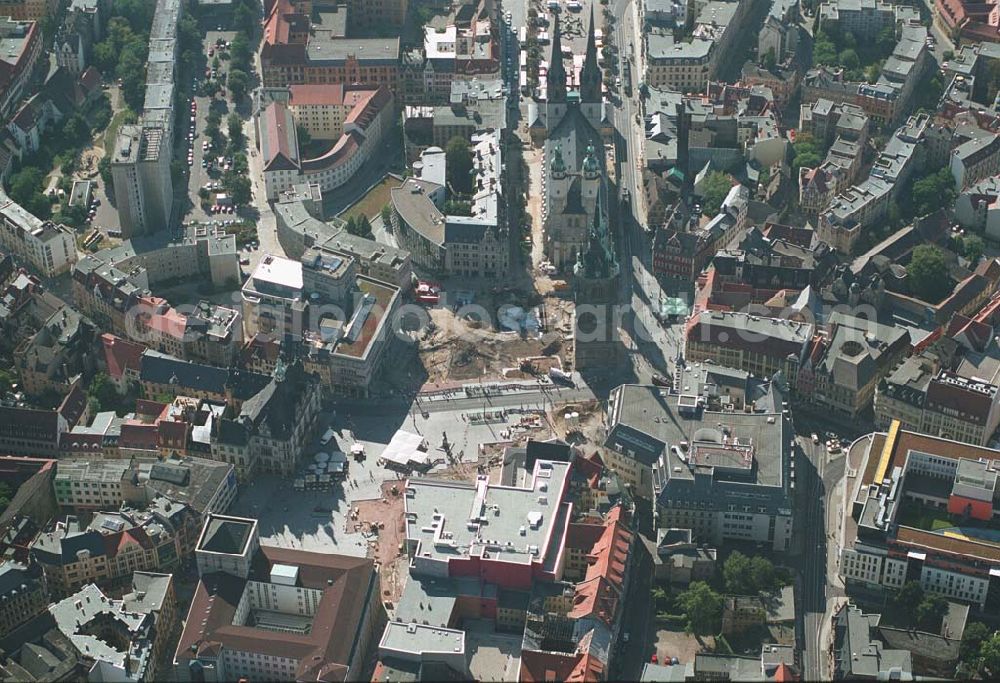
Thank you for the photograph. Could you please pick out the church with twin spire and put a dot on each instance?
(562, 90)
(576, 198)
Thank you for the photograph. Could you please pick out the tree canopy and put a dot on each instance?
(458, 157)
(927, 274)
(749, 575)
(702, 607)
(933, 191)
(717, 186)
(358, 224)
(806, 153)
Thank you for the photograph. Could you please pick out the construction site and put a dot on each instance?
(523, 337)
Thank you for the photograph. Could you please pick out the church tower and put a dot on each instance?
(591, 98)
(555, 85)
(595, 292)
(590, 76)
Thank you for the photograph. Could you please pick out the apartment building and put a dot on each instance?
(682, 66)
(863, 18)
(48, 248)
(203, 485)
(262, 611)
(29, 431)
(905, 475)
(20, 47)
(724, 475)
(377, 14)
(975, 160)
(58, 355)
(140, 161)
(845, 363)
(465, 49)
(296, 50)
(861, 205)
(110, 548)
(134, 630)
(762, 346)
(28, 10)
(959, 404)
(473, 245)
(368, 116)
(976, 207)
(23, 594)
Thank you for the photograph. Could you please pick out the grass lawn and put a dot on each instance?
(112, 132)
(920, 517)
(371, 204)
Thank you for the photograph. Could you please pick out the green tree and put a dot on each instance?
(103, 392)
(769, 61)
(885, 42)
(933, 191)
(849, 58)
(824, 49)
(234, 127)
(930, 612)
(973, 248)
(927, 274)
(25, 184)
(972, 639)
(806, 153)
(138, 13)
(736, 573)
(75, 129)
(386, 216)
(5, 496)
(245, 19)
(239, 187)
(458, 157)
(763, 576)
(702, 607)
(359, 225)
(239, 83)
(239, 52)
(873, 71)
(7, 379)
(989, 654)
(908, 598)
(717, 186)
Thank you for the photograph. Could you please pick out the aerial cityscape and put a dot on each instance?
(499, 340)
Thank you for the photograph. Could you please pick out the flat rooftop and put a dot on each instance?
(275, 270)
(418, 638)
(650, 422)
(457, 520)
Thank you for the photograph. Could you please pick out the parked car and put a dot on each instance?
(660, 381)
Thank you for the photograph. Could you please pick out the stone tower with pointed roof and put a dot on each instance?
(591, 99)
(595, 292)
(555, 82)
(565, 94)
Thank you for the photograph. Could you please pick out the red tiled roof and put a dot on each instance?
(784, 674)
(583, 536)
(323, 653)
(309, 94)
(598, 594)
(120, 355)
